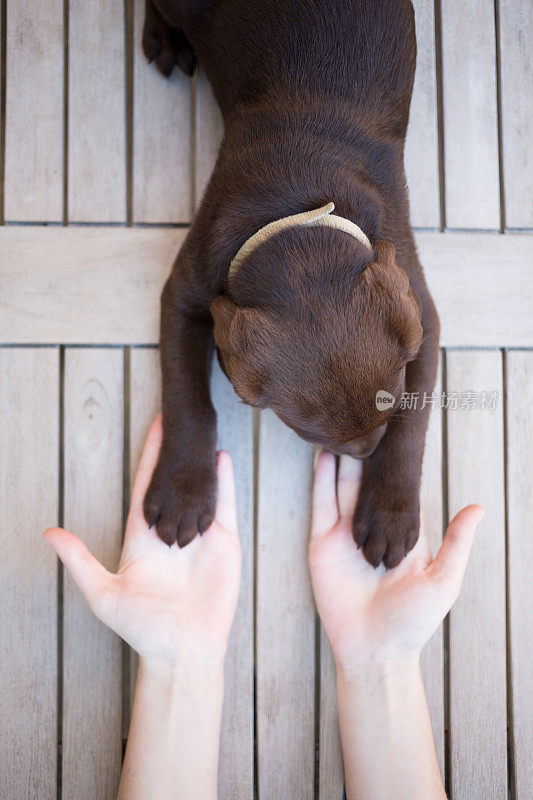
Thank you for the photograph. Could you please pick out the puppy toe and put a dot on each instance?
(167, 531)
(152, 510)
(188, 529)
(374, 548)
(166, 62)
(204, 521)
(185, 57)
(152, 44)
(394, 554)
(411, 538)
(361, 532)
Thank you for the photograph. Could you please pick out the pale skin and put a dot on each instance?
(176, 607)
(377, 622)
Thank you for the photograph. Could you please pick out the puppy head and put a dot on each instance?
(323, 341)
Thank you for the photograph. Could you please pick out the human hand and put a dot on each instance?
(372, 615)
(169, 604)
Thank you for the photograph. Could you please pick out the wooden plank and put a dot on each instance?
(516, 63)
(481, 285)
(54, 284)
(34, 111)
(421, 147)
(145, 400)
(29, 487)
(432, 661)
(236, 434)
(470, 115)
(285, 623)
(144, 405)
(97, 112)
(162, 179)
(477, 657)
(92, 654)
(519, 393)
(53, 280)
(2, 106)
(209, 131)
(330, 765)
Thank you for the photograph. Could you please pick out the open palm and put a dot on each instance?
(372, 613)
(164, 600)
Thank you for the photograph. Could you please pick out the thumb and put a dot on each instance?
(325, 512)
(450, 562)
(92, 578)
(226, 510)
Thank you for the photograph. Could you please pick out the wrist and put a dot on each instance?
(189, 671)
(363, 669)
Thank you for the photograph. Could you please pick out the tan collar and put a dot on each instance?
(321, 216)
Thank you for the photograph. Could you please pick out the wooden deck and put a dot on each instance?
(102, 163)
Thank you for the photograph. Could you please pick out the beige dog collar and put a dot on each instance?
(321, 216)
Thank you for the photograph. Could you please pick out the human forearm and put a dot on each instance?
(386, 734)
(173, 743)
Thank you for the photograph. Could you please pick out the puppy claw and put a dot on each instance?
(152, 516)
(374, 551)
(165, 45)
(204, 521)
(394, 554)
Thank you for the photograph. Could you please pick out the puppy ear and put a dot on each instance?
(234, 330)
(230, 325)
(385, 276)
(384, 273)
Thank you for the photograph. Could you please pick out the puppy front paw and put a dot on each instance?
(386, 528)
(181, 499)
(165, 45)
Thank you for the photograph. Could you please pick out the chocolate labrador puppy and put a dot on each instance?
(320, 316)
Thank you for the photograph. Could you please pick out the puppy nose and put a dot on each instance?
(364, 446)
(356, 449)
(359, 449)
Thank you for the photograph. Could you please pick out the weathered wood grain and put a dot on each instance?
(330, 764)
(29, 491)
(470, 115)
(519, 393)
(144, 400)
(162, 155)
(34, 111)
(92, 653)
(144, 404)
(285, 622)
(102, 285)
(83, 285)
(97, 112)
(236, 434)
(421, 146)
(432, 661)
(516, 65)
(477, 657)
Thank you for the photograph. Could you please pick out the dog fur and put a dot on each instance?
(315, 97)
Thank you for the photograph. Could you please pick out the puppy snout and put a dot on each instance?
(358, 449)
(364, 446)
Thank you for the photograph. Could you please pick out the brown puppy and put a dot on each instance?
(315, 96)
